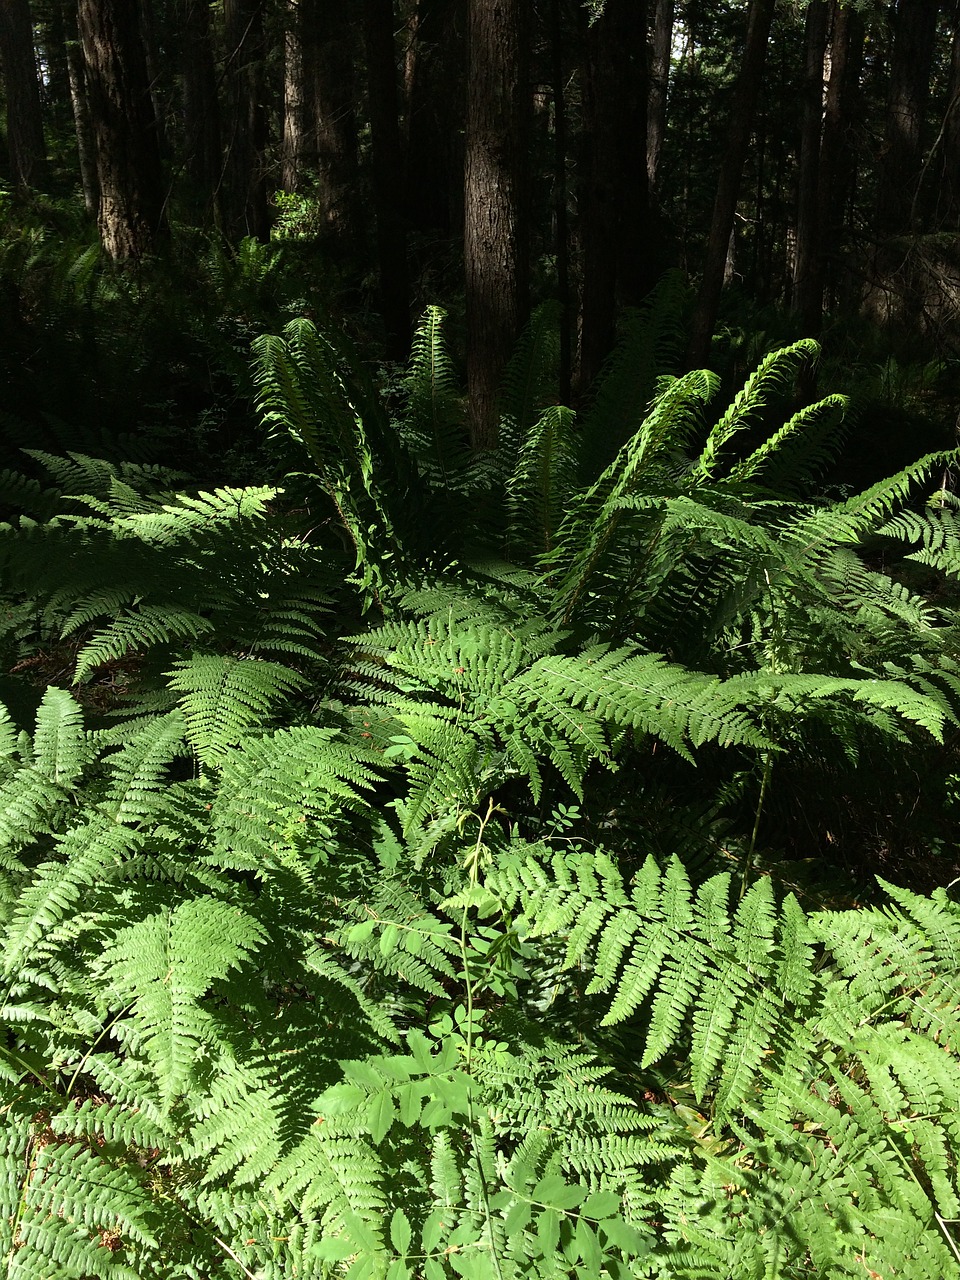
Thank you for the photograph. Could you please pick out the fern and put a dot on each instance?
(341, 949)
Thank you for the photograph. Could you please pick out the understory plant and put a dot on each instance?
(381, 889)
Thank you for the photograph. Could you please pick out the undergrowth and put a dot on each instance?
(412, 907)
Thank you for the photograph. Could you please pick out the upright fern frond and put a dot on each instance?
(772, 374)
(543, 481)
(303, 390)
(649, 346)
(525, 388)
(793, 455)
(434, 422)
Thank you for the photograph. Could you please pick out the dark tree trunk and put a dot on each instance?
(837, 146)
(899, 282)
(387, 158)
(82, 119)
(743, 109)
(131, 216)
(947, 207)
(22, 88)
(562, 231)
(247, 210)
(807, 279)
(914, 37)
(320, 124)
(203, 159)
(495, 213)
(435, 73)
(621, 257)
(148, 33)
(53, 42)
(659, 80)
(294, 146)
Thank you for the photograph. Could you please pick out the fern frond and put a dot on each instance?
(524, 387)
(649, 347)
(434, 421)
(539, 490)
(224, 698)
(146, 628)
(804, 443)
(772, 374)
(290, 779)
(159, 968)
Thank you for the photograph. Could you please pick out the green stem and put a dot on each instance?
(473, 871)
(764, 783)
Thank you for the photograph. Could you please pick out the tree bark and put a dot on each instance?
(82, 119)
(947, 206)
(148, 34)
(914, 37)
(495, 214)
(659, 81)
(807, 280)
(562, 230)
(621, 256)
(51, 23)
(203, 158)
(320, 125)
(247, 210)
(387, 161)
(435, 74)
(837, 146)
(745, 96)
(132, 217)
(25, 140)
(294, 142)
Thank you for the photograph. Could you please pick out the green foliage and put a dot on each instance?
(396, 948)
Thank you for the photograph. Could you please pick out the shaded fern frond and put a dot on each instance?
(434, 423)
(649, 346)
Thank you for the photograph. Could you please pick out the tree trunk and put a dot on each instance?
(659, 80)
(947, 208)
(148, 35)
(562, 230)
(745, 96)
(618, 234)
(132, 217)
(837, 145)
(201, 109)
(320, 125)
(914, 37)
(25, 142)
(387, 158)
(435, 74)
(495, 213)
(294, 142)
(246, 188)
(82, 119)
(807, 280)
(51, 25)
